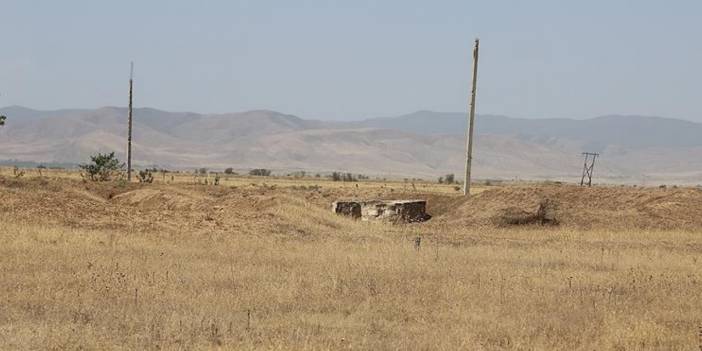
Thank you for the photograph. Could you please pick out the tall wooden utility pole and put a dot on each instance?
(129, 136)
(471, 121)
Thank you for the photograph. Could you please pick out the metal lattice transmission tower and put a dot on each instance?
(588, 167)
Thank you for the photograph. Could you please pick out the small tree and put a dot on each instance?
(450, 178)
(229, 171)
(441, 180)
(102, 168)
(2, 120)
(145, 176)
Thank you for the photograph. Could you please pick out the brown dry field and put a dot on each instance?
(262, 263)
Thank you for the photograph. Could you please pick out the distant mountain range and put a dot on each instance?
(597, 133)
(426, 144)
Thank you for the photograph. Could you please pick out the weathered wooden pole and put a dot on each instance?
(129, 136)
(471, 121)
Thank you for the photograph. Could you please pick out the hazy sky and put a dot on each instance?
(355, 59)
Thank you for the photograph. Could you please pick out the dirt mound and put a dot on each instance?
(544, 215)
(156, 199)
(151, 208)
(46, 200)
(257, 209)
(582, 207)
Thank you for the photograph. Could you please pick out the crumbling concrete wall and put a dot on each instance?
(388, 210)
(347, 208)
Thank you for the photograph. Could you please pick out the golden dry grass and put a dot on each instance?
(312, 280)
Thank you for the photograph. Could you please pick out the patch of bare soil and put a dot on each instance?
(582, 207)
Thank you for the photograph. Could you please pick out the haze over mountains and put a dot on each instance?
(426, 144)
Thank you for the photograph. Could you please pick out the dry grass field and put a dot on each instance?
(188, 177)
(260, 263)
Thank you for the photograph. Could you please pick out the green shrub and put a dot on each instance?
(102, 168)
(145, 176)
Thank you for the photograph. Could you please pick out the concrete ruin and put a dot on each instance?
(407, 211)
(347, 208)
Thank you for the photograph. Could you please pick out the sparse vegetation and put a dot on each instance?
(18, 173)
(102, 168)
(343, 177)
(298, 174)
(145, 176)
(158, 170)
(447, 179)
(261, 172)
